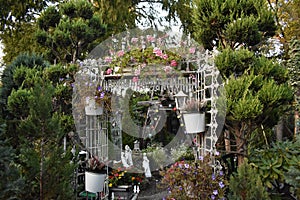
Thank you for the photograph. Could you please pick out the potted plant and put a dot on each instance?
(100, 100)
(193, 113)
(95, 174)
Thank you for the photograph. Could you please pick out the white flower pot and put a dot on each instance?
(94, 182)
(194, 122)
(92, 108)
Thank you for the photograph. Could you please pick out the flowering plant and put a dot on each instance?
(90, 91)
(150, 55)
(194, 105)
(148, 61)
(103, 97)
(94, 164)
(194, 180)
(121, 176)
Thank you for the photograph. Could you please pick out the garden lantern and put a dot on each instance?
(180, 99)
(136, 146)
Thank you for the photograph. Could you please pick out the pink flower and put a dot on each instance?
(135, 79)
(137, 72)
(157, 52)
(192, 50)
(165, 56)
(150, 38)
(168, 69)
(108, 71)
(134, 40)
(173, 63)
(108, 59)
(120, 53)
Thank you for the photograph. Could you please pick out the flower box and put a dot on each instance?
(194, 122)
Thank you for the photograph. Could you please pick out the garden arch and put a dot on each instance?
(202, 82)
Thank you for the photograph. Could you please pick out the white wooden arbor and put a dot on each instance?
(203, 83)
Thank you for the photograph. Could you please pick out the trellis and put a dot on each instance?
(203, 83)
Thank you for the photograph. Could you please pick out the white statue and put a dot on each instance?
(123, 159)
(128, 155)
(146, 166)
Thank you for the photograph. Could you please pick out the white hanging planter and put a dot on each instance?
(92, 108)
(194, 122)
(94, 182)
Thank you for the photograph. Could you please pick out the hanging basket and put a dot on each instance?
(194, 122)
(94, 182)
(92, 108)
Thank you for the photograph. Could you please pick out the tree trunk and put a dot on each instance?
(227, 141)
(279, 130)
(240, 145)
(41, 169)
(296, 129)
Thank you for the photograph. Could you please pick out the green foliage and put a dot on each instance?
(19, 41)
(182, 153)
(228, 23)
(193, 180)
(134, 116)
(250, 36)
(45, 166)
(10, 82)
(288, 13)
(25, 77)
(14, 13)
(11, 183)
(18, 103)
(234, 62)
(68, 33)
(246, 184)
(242, 103)
(158, 154)
(292, 177)
(49, 18)
(256, 93)
(273, 163)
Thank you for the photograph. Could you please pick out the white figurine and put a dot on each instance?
(128, 155)
(146, 166)
(123, 159)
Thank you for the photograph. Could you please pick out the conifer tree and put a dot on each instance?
(45, 166)
(256, 87)
(68, 32)
(246, 184)
(11, 183)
